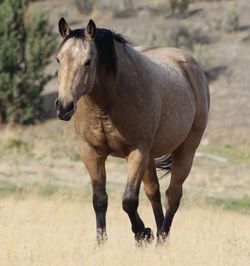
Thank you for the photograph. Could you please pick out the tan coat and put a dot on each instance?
(154, 102)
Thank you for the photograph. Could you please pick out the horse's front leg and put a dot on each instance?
(137, 163)
(95, 165)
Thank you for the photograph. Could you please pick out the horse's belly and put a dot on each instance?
(172, 132)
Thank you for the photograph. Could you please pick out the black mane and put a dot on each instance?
(104, 40)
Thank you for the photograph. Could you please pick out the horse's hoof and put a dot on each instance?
(101, 238)
(161, 239)
(144, 238)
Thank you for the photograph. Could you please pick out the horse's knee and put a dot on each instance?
(129, 205)
(173, 197)
(152, 191)
(100, 201)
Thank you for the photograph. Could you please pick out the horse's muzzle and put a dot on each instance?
(64, 112)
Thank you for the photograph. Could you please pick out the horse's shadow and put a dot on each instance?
(213, 73)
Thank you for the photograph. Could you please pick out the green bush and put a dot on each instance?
(26, 45)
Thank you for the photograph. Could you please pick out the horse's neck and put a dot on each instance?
(131, 67)
(131, 63)
(101, 96)
(136, 70)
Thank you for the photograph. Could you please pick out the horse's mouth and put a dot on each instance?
(65, 117)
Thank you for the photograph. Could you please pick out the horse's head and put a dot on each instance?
(77, 56)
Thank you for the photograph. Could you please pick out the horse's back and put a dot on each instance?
(188, 66)
(190, 111)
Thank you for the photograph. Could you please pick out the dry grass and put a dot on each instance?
(56, 232)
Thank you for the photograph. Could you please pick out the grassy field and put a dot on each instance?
(55, 231)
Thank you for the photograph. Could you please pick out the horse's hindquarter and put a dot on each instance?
(178, 102)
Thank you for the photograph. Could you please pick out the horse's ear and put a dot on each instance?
(90, 30)
(64, 28)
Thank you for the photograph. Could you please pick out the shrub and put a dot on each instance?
(230, 22)
(119, 9)
(203, 55)
(26, 44)
(126, 9)
(180, 36)
(84, 6)
(128, 4)
(193, 40)
(179, 6)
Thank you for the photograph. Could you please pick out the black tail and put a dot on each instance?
(164, 164)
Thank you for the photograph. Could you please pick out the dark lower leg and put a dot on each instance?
(151, 188)
(130, 205)
(100, 203)
(173, 197)
(137, 163)
(158, 212)
(95, 165)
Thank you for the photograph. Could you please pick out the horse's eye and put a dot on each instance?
(57, 60)
(87, 63)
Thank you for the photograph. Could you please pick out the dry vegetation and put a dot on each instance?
(58, 232)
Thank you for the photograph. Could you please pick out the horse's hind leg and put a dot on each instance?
(95, 165)
(182, 159)
(137, 163)
(151, 188)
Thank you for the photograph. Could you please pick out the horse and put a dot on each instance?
(135, 105)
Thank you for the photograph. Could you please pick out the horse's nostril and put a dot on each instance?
(70, 107)
(64, 110)
(58, 105)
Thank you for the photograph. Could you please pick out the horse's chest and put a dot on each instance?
(105, 137)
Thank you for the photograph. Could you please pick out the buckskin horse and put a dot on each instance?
(132, 105)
